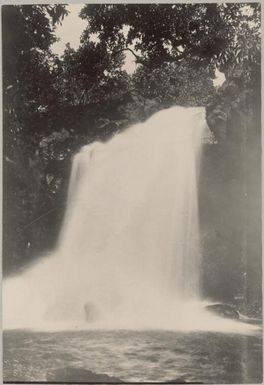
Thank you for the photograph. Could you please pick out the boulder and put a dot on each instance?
(224, 310)
(179, 380)
(91, 312)
(72, 374)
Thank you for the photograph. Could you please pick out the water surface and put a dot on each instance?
(134, 355)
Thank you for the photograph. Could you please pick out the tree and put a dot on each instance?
(174, 84)
(90, 75)
(28, 64)
(158, 33)
(28, 76)
(242, 57)
(27, 60)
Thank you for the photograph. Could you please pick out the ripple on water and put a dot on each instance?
(135, 356)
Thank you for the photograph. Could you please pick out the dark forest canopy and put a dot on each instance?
(53, 105)
(28, 33)
(225, 36)
(225, 33)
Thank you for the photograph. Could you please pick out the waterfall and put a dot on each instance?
(129, 250)
(132, 211)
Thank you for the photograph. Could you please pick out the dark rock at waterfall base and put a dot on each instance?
(179, 380)
(252, 321)
(70, 374)
(223, 310)
(91, 312)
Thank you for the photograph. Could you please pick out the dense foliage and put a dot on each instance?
(53, 105)
(28, 91)
(158, 33)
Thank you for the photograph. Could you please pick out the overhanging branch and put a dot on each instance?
(163, 58)
(139, 60)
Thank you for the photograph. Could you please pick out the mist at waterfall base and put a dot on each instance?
(129, 254)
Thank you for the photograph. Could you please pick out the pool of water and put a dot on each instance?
(138, 356)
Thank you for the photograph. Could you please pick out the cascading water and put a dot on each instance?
(129, 253)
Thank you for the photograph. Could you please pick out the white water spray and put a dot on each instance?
(129, 250)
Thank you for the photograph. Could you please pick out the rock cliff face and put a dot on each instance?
(230, 196)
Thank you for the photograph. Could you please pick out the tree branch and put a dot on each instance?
(138, 58)
(166, 58)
